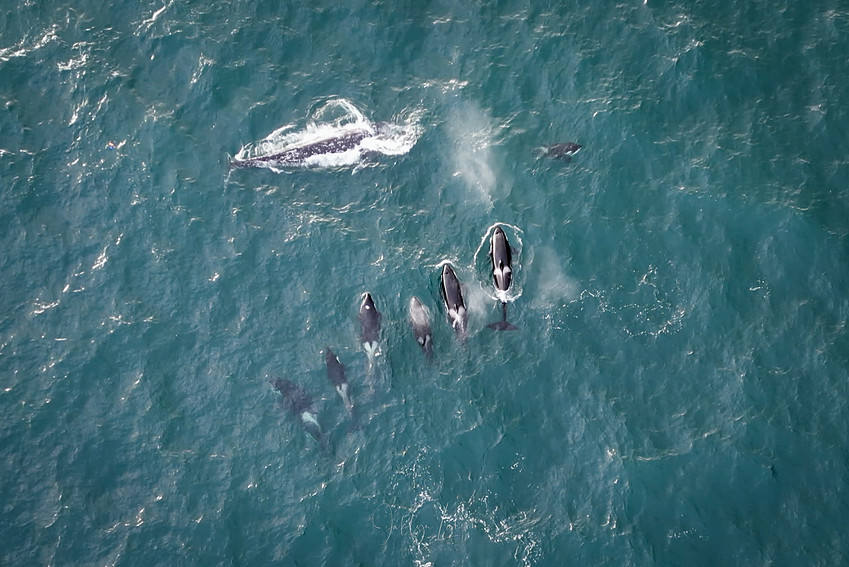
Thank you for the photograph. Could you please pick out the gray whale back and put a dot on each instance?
(298, 155)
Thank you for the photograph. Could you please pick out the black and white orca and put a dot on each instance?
(299, 403)
(502, 274)
(336, 375)
(369, 327)
(452, 296)
(420, 321)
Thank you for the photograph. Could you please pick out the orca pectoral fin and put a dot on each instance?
(503, 326)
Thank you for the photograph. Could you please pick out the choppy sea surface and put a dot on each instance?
(677, 392)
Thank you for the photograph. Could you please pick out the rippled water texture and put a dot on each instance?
(676, 393)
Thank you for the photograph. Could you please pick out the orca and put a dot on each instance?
(420, 321)
(563, 151)
(369, 327)
(336, 375)
(452, 296)
(296, 156)
(502, 274)
(300, 404)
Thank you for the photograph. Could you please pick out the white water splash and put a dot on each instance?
(25, 47)
(147, 23)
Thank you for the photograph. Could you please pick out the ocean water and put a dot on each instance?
(676, 393)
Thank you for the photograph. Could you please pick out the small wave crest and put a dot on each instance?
(337, 134)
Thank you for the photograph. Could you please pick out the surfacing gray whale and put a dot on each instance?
(297, 156)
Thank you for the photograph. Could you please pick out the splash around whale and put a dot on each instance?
(337, 134)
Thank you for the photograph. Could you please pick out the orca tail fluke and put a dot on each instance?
(503, 325)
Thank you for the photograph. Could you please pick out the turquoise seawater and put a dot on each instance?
(676, 393)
